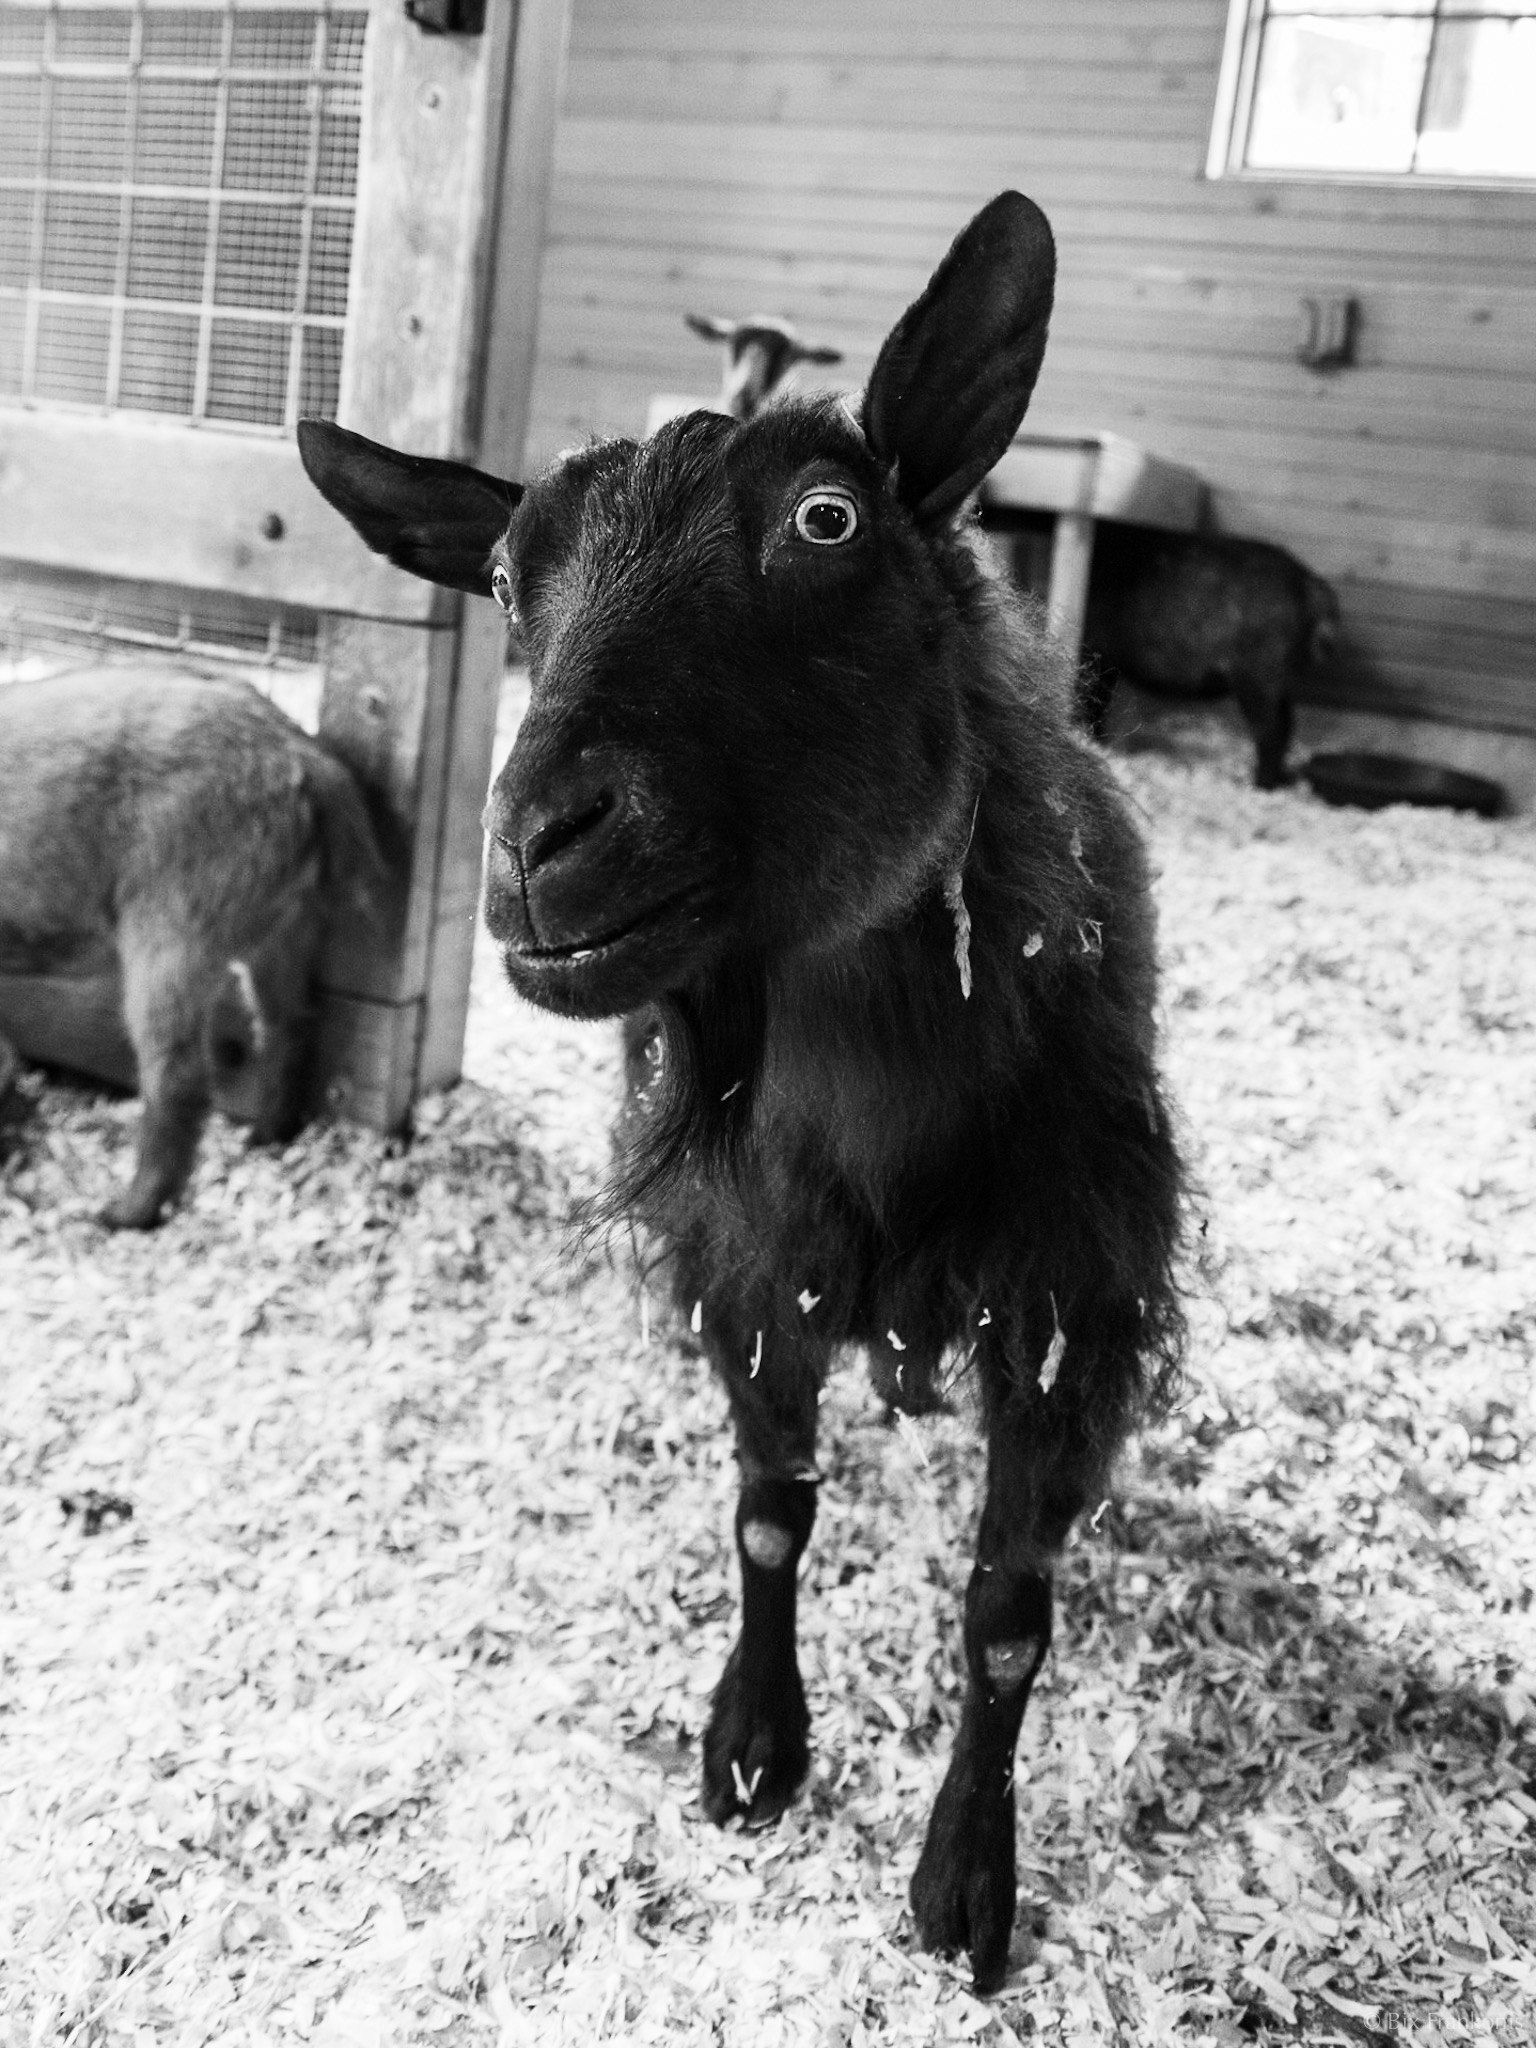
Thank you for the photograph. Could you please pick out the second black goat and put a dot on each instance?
(1200, 616)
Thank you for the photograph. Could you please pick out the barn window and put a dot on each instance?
(177, 189)
(1378, 88)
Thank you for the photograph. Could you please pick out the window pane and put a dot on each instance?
(1504, 7)
(177, 117)
(89, 129)
(16, 210)
(72, 353)
(91, 35)
(330, 255)
(1351, 7)
(248, 372)
(159, 370)
(344, 41)
(274, 42)
(340, 136)
(81, 232)
(178, 35)
(258, 262)
(266, 144)
(320, 375)
(21, 126)
(166, 249)
(13, 328)
(1480, 105)
(1338, 94)
(21, 35)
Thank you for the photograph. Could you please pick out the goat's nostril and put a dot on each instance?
(550, 839)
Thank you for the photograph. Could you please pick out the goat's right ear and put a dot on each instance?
(438, 519)
(954, 376)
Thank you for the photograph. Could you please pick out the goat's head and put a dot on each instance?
(746, 735)
(760, 352)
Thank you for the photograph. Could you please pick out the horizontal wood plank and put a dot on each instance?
(906, 226)
(952, 34)
(948, 93)
(210, 512)
(1462, 342)
(1425, 690)
(1087, 386)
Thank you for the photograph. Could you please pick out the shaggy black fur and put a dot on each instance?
(1191, 616)
(788, 733)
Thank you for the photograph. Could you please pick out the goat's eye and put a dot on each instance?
(501, 588)
(827, 518)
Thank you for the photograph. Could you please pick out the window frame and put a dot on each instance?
(1233, 117)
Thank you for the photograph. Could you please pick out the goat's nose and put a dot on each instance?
(572, 820)
(541, 827)
(561, 819)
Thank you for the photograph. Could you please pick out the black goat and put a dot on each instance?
(760, 351)
(798, 793)
(1196, 616)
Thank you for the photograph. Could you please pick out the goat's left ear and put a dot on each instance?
(711, 326)
(438, 519)
(954, 376)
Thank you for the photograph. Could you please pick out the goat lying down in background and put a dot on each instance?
(172, 852)
(799, 796)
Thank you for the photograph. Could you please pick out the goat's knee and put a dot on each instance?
(773, 1521)
(1013, 1662)
(1007, 1631)
(767, 1544)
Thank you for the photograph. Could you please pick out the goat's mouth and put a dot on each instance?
(613, 970)
(577, 952)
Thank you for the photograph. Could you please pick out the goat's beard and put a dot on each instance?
(693, 1120)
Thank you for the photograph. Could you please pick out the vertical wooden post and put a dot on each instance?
(504, 387)
(388, 689)
(1071, 564)
(448, 121)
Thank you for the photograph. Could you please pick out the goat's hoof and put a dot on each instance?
(965, 1887)
(755, 1748)
(124, 1213)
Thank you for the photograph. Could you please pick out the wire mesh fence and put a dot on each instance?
(53, 621)
(177, 191)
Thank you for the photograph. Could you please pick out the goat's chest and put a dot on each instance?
(857, 1158)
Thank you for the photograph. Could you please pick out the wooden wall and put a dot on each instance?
(814, 158)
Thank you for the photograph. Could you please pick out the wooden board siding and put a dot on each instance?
(814, 159)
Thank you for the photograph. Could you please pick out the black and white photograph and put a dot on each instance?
(767, 1023)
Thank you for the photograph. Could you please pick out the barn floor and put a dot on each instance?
(377, 1721)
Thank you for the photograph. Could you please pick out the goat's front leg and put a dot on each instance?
(966, 1883)
(755, 1747)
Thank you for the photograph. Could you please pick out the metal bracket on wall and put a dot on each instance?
(447, 17)
(1330, 331)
